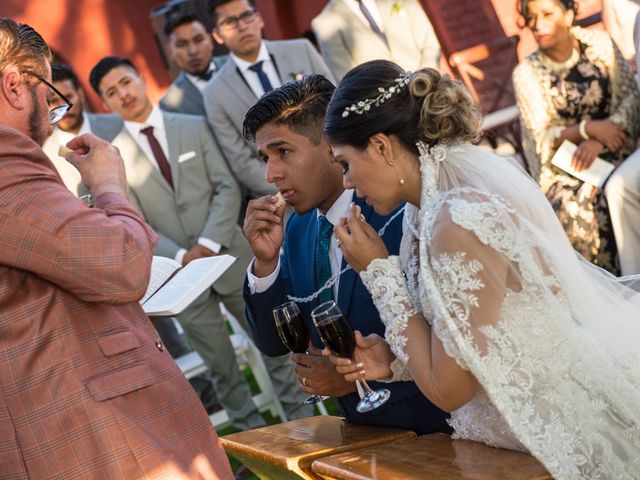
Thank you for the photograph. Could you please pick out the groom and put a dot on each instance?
(287, 125)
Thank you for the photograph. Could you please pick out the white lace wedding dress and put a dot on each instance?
(555, 346)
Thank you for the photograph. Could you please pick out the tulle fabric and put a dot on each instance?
(553, 340)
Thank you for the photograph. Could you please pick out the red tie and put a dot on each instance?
(161, 159)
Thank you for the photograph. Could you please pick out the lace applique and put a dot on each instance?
(386, 282)
(400, 372)
(530, 363)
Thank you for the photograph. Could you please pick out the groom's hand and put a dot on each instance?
(265, 233)
(317, 375)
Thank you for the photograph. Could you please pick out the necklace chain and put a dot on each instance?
(334, 278)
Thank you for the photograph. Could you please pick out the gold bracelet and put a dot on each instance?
(582, 129)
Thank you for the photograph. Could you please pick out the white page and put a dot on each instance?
(161, 269)
(187, 285)
(595, 175)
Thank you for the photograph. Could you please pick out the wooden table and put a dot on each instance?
(430, 457)
(286, 451)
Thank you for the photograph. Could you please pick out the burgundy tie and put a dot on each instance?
(161, 159)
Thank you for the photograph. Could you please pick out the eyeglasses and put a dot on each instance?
(55, 113)
(231, 23)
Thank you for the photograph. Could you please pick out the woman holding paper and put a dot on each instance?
(575, 87)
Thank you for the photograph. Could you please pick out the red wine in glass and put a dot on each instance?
(294, 333)
(337, 335)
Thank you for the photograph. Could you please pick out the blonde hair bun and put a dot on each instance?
(449, 113)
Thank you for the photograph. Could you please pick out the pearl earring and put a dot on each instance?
(401, 181)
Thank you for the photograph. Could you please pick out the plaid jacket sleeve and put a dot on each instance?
(100, 254)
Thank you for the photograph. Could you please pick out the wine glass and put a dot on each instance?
(337, 335)
(294, 334)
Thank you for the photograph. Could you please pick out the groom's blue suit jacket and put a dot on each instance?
(407, 407)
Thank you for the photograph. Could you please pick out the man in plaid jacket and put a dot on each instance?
(87, 389)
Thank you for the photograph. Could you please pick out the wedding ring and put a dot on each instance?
(304, 381)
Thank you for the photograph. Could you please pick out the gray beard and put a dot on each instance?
(35, 121)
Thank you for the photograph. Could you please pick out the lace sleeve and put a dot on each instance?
(387, 284)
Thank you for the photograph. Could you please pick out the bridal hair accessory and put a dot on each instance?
(334, 278)
(363, 106)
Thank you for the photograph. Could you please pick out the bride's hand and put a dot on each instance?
(359, 241)
(372, 356)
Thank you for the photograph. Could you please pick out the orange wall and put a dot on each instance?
(84, 31)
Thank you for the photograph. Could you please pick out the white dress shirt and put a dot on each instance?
(372, 6)
(339, 210)
(69, 174)
(156, 120)
(252, 77)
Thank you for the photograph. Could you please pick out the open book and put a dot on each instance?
(172, 287)
(595, 175)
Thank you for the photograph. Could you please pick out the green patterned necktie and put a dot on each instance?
(323, 266)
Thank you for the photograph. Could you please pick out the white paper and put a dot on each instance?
(595, 175)
(161, 269)
(187, 285)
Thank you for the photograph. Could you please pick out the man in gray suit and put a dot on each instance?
(191, 48)
(180, 182)
(75, 122)
(254, 67)
(351, 32)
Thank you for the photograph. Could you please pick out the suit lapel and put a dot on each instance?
(138, 166)
(172, 129)
(192, 95)
(283, 62)
(360, 24)
(236, 82)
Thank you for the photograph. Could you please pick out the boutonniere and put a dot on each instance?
(296, 75)
(397, 9)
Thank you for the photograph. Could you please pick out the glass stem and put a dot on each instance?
(365, 385)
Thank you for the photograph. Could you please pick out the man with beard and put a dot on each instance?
(191, 48)
(88, 390)
(74, 123)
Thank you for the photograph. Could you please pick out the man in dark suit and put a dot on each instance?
(287, 127)
(191, 48)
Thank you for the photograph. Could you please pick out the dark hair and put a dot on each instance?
(22, 46)
(213, 4)
(177, 21)
(300, 105)
(104, 66)
(62, 71)
(432, 107)
(523, 6)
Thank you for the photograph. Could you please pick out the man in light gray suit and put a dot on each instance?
(254, 67)
(191, 48)
(75, 122)
(180, 182)
(351, 32)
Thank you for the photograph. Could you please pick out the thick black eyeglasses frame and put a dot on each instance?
(233, 22)
(56, 113)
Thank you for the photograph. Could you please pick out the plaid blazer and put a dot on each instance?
(86, 387)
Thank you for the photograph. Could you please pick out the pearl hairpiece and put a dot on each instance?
(363, 106)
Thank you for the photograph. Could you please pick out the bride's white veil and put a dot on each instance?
(561, 359)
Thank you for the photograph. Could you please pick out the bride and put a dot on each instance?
(487, 308)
